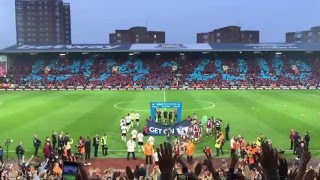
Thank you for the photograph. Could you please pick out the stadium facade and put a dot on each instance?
(308, 36)
(229, 34)
(137, 35)
(43, 22)
(157, 66)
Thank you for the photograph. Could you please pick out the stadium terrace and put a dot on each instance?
(149, 66)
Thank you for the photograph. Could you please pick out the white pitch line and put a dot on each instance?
(212, 105)
(164, 98)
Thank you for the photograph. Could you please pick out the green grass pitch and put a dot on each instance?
(83, 113)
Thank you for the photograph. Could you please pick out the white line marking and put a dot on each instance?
(200, 109)
(164, 97)
(128, 109)
(212, 105)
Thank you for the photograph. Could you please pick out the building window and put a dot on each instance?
(218, 34)
(155, 36)
(218, 41)
(118, 41)
(118, 34)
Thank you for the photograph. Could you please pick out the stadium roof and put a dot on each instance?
(219, 47)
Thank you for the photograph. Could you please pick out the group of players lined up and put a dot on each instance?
(166, 116)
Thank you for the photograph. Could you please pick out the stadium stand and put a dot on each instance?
(146, 72)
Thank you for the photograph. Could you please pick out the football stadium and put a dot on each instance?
(155, 105)
(85, 90)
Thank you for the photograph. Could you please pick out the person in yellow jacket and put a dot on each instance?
(148, 152)
(189, 150)
(221, 139)
(104, 145)
(259, 140)
(217, 145)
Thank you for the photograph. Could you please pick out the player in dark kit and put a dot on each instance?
(159, 116)
(170, 116)
(165, 115)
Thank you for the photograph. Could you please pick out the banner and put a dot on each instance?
(3, 66)
(157, 129)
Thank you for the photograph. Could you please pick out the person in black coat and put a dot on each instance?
(60, 143)
(20, 153)
(87, 146)
(227, 129)
(66, 139)
(1, 154)
(36, 145)
(54, 139)
(95, 144)
(296, 142)
(306, 140)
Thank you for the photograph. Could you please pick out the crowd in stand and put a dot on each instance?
(153, 72)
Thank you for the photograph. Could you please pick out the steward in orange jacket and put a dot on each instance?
(148, 152)
(189, 151)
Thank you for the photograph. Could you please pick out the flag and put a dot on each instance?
(295, 69)
(225, 68)
(47, 70)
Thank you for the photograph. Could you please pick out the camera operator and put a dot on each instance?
(1, 154)
(20, 152)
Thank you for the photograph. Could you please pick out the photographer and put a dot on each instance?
(1, 154)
